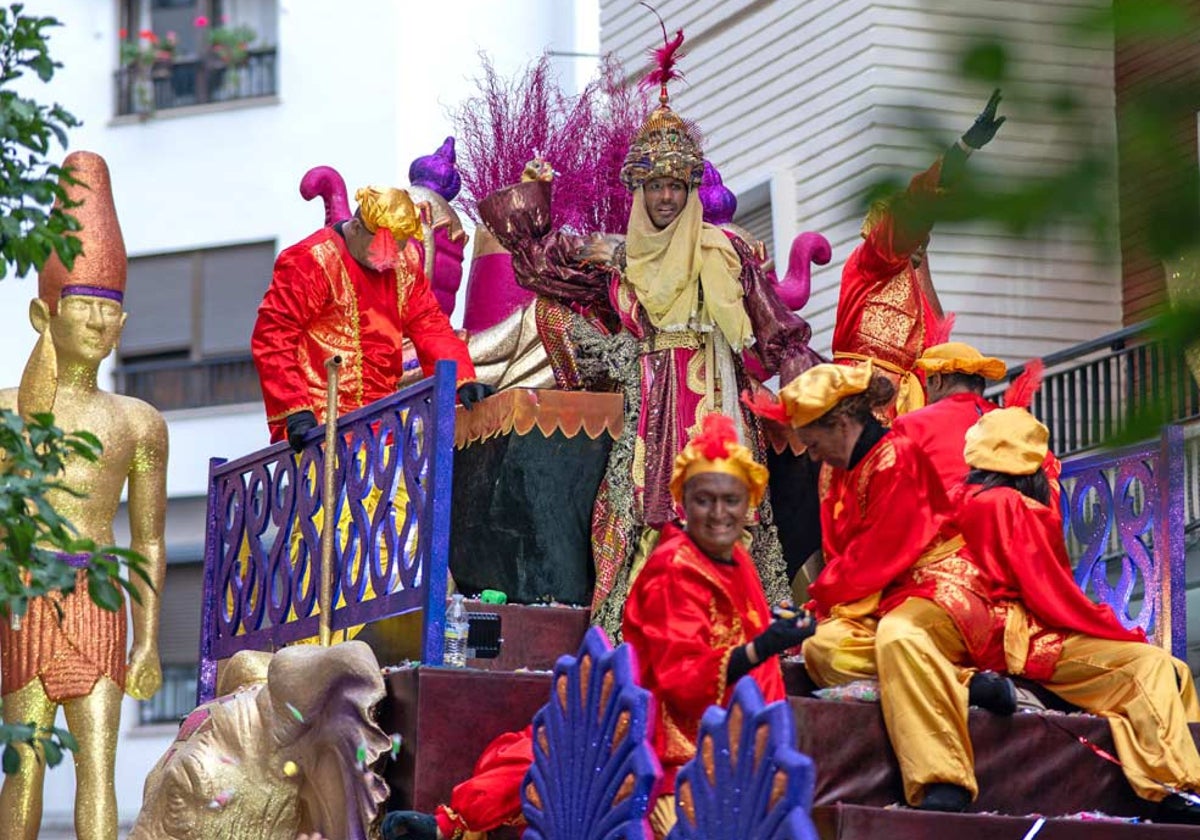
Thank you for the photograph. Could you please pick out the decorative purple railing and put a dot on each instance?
(262, 566)
(747, 779)
(1123, 517)
(594, 768)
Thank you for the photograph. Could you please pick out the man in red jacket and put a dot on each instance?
(956, 375)
(355, 289)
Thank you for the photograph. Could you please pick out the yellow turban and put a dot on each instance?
(956, 357)
(715, 449)
(1008, 440)
(813, 393)
(389, 208)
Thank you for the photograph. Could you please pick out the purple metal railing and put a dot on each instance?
(262, 548)
(1123, 517)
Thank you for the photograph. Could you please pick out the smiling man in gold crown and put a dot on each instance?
(80, 662)
(693, 298)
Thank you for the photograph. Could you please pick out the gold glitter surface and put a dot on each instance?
(75, 337)
(103, 261)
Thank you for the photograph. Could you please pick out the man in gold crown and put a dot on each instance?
(357, 290)
(79, 663)
(693, 298)
(1044, 628)
(696, 618)
(956, 375)
(887, 306)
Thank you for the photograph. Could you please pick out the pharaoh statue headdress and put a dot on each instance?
(98, 271)
(667, 145)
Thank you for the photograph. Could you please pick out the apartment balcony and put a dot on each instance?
(199, 81)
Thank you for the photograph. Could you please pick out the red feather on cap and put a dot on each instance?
(939, 331)
(716, 433)
(1022, 390)
(764, 405)
(383, 253)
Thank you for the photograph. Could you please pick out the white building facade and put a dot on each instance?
(206, 186)
(804, 103)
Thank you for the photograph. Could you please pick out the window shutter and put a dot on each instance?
(158, 298)
(234, 281)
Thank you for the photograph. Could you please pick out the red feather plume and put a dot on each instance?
(716, 433)
(939, 331)
(383, 253)
(665, 58)
(1021, 392)
(764, 405)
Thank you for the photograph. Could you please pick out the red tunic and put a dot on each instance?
(940, 430)
(322, 302)
(1018, 547)
(877, 520)
(685, 615)
(882, 311)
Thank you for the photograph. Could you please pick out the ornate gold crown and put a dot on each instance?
(666, 146)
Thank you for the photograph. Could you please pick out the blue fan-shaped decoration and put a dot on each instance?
(747, 780)
(594, 768)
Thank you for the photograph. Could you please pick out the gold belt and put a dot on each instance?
(940, 551)
(683, 340)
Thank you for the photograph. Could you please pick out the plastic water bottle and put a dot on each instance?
(456, 633)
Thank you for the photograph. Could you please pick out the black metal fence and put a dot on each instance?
(185, 383)
(1090, 391)
(141, 90)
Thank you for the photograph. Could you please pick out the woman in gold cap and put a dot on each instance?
(897, 589)
(697, 620)
(1046, 629)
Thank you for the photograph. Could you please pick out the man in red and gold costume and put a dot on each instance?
(956, 375)
(696, 618)
(887, 305)
(899, 595)
(356, 289)
(1045, 628)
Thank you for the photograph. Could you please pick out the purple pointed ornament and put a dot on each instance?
(719, 202)
(437, 171)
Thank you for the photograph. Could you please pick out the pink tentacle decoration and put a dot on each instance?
(807, 248)
(327, 182)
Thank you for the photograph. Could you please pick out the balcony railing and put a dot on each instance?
(198, 81)
(390, 517)
(1091, 390)
(185, 383)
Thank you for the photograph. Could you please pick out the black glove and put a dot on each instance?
(986, 124)
(298, 425)
(783, 633)
(473, 392)
(410, 824)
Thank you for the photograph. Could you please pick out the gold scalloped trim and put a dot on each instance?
(523, 409)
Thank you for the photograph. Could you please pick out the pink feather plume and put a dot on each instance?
(1022, 390)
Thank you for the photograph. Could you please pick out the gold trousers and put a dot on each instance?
(1149, 699)
(918, 656)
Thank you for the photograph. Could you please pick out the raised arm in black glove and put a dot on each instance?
(298, 425)
(780, 635)
(976, 137)
(473, 392)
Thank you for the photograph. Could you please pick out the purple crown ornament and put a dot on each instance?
(437, 171)
(718, 200)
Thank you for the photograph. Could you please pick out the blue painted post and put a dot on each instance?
(1172, 514)
(206, 684)
(441, 485)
